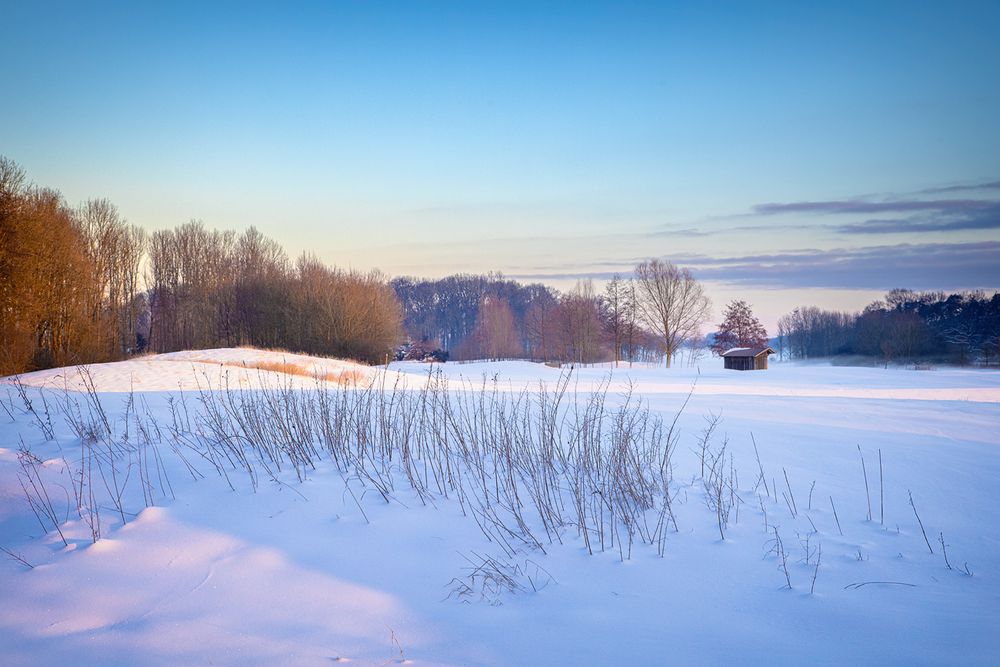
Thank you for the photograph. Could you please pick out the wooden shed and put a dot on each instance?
(747, 358)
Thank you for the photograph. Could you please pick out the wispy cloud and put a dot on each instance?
(911, 214)
(946, 266)
(917, 266)
(855, 206)
(984, 218)
(692, 232)
(965, 187)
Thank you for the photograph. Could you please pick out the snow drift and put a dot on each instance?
(253, 507)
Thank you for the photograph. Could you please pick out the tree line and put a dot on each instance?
(905, 326)
(69, 278)
(82, 285)
(211, 288)
(649, 316)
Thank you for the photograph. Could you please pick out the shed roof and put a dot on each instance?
(747, 351)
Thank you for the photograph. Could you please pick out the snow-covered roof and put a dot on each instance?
(747, 351)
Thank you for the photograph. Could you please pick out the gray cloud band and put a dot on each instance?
(918, 215)
(925, 266)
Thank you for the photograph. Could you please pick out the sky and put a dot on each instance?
(787, 153)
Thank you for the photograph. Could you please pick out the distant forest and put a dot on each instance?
(906, 326)
(489, 317)
(81, 285)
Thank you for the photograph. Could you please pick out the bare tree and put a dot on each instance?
(15, 333)
(340, 313)
(115, 250)
(541, 327)
(632, 329)
(670, 302)
(163, 279)
(507, 339)
(44, 279)
(581, 324)
(495, 336)
(618, 314)
(261, 266)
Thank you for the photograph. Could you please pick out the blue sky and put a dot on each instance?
(789, 153)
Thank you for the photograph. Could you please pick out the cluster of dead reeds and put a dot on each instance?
(526, 465)
(530, 466)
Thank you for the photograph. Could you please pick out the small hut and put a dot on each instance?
(747, 358)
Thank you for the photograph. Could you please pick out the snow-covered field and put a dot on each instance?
(370, 543)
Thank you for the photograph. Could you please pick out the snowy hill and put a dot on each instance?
(242, 507)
